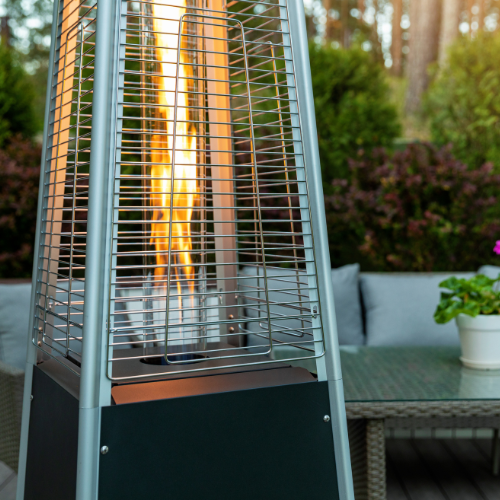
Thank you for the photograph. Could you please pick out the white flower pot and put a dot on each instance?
(480, 340)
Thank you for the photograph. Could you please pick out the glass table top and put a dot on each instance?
(413, 374)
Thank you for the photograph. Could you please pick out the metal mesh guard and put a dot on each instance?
(212, 262)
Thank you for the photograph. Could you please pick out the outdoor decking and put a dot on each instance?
(417, 469)
(440, 469)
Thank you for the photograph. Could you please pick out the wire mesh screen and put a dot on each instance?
(212, 263)
(61, 266)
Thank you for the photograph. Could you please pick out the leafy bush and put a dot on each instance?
(417, 210)
(16, 98)
(463, 102)
(19, 171)
(472, 297)
(353, 111)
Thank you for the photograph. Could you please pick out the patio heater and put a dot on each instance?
(182, 276)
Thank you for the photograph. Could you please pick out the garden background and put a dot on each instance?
(408, 115)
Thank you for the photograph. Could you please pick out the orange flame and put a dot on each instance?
(166, 28)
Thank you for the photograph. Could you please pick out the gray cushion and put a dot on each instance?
(346, 295)
(14, 323)
(399, 309)
(490, 271)
(345, 281)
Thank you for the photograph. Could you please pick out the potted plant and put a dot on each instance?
(475, 304)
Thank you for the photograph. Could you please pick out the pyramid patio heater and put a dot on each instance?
(183, 335)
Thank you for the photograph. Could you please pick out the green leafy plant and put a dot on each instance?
(463, 103)
(468, 296)
(353, 109)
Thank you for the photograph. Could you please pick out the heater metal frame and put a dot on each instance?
(304, 302)
(95, 386)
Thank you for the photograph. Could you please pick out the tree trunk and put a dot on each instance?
(449, 26)
(5, 31)
(361, 7)
(425, 21)
(470, 5)
(344, 19)
(376, 38)
(481, 14)
(397, 38)
(327, 4)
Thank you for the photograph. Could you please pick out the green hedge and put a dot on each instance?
(353, 111)
(416, 210)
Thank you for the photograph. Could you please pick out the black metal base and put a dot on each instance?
(268, 443)
(53, 441)
(259, 444)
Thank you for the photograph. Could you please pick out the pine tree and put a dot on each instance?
(397, 38)
(425, 21)
(449, 26)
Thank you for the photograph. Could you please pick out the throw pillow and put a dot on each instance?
(399, 309)
(14, 323)
(490, 271)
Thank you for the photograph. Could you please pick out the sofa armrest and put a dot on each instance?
(11, 403)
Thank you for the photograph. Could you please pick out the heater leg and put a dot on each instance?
(25, 424)
(88, 453)
(495, 453)
(341, 439)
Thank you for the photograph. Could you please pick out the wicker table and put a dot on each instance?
(410, 387)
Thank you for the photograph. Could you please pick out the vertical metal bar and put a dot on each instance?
(200, 86)
(304, 198)
(222, 166)
(93, 367)
(287, 179)
(32, 330)
(147, 288)
(48, 319)
(75, 172)
(332, 358)
(114, 188)
(257, 190)
(171, 208)
(59, 163)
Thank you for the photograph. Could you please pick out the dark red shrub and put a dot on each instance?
(19, 177)
(417, 210)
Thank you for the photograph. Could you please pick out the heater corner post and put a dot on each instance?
(31, 348)
(95, 386)
(298, 35)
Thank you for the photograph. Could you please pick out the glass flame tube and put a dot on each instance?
(174, 189)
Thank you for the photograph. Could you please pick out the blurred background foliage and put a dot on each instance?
(26, 29)
(19, 174)
(17, 95)
(407, 117)
(419, 209)
(353, 108)
(463, 103)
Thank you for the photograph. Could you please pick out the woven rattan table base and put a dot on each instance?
(367, 423)
(11, 401)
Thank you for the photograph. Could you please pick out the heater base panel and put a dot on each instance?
(51, 466)
(267, 443)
